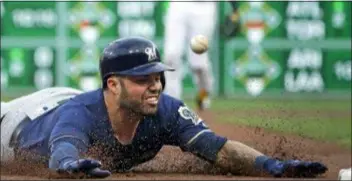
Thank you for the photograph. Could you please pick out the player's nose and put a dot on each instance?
(155, 86)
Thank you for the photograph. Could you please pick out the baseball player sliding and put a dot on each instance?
(129, 119)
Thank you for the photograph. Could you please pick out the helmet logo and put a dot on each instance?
(151, 52)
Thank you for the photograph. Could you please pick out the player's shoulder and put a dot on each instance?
(168, 103)
(170, 108)
(172, 111)
(83, 103)
(167, 110)
(90, 97)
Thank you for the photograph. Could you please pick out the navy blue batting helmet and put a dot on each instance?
(131, 56)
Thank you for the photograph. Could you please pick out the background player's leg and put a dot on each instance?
(175, 32)
(202, 23)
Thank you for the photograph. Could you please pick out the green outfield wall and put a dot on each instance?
(282, 48)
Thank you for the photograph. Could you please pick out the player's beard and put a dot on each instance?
(136, 106)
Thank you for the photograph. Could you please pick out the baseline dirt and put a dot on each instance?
(172, 164)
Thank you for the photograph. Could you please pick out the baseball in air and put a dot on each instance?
(199, 44)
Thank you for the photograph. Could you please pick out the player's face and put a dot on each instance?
(141, 93)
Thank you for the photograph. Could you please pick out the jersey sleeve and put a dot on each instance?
(70, 136)
(191, 134)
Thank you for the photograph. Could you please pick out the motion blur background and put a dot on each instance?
(284, 49)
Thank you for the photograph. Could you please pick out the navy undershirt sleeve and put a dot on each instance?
(70, 136)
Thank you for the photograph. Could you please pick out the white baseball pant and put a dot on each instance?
(31, 106)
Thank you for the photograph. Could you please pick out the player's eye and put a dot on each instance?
(141, 80)
(147, 79)
(157, 79)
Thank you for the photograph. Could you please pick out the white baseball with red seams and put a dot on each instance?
(345, 174)
(199, 44)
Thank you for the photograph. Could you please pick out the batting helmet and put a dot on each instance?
(131, 56)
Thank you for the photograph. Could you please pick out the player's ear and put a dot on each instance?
(113, 84)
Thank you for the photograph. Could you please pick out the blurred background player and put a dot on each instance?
(231, 26)
(184, 20)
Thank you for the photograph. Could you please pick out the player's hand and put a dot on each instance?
(83, 168)
(294, 168)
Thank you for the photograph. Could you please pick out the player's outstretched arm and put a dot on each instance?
(238, 158)
(65, 161)
(190, 133)
(69, 140)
